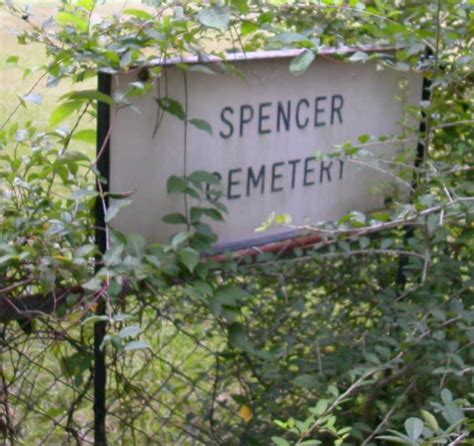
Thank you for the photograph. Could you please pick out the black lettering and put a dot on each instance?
(336, 108)
(325, 169)
(231, 183)
(276, 177)
(293, 171)
(281, 115)
(307, 171)
(227, 122)
(262, 117)
(255, 181)
(341, 167)
(208, 188)
(318, 111)
(298, 107)
(243, 119)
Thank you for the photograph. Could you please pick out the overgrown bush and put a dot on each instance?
(363, 338)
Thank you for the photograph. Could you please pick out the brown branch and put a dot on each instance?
(34, 305)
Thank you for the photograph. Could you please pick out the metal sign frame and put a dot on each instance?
(246, 246)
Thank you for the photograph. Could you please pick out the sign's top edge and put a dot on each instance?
(267, 54)
(263, 55)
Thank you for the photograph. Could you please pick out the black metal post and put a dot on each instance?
(103, 163)
(420, 154)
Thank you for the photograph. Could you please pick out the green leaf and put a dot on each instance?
(238, 337)
(393, 439)
(216, 17)
(320, 407)
(430, 421)
(201, 124)
(280, 441)
(179, 238)
(301, 62)
(93, 284)
(114, 209)
(201, 69)
(189, 257)
(176, 185)
(87, 4)
(197, 213)
(452, 413)
(248, 28)
(289, 37)
(137, 345)
(414, 427)
(175, 218)
(172, 106)
(201, 176)
(136, 245)
(94, 319)
(35, 98)
(61, 112)
(359, 56)
(241, 5)
(139, 13)
(306, 381)
(113, 256)
(364, 139)
(227, 295)
(12, 60)
(87, 135)
(446, 396)
(89, 95)
(78, 21)
(131, 331)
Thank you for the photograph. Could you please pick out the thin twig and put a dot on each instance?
(388, 415)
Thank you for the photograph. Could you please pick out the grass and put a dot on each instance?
(14, 83)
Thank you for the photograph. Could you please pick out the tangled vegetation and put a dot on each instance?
(363, 338)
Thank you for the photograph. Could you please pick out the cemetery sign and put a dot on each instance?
(267, 126)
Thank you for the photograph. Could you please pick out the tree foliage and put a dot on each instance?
(363, 338)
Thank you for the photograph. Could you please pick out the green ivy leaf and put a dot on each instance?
(189, 258)
(241, 5)
(35, 98)
(414, 427)
(114, 209)
(301, 62)
(226, 296)
(173, 107)
(216, 17)
(88, 95)
(61, 112)
(359, 56)
(201, 124)
(201, 176)
(280, 441)
(306, 381)
(12, 60)
(137, 345)
(430, 421)
(86, 135)
(179, 238)
(136, 245)
(93, 284)
(175, 218)
(130, 331)
(79, 22)
(139, 13)
(176, 184)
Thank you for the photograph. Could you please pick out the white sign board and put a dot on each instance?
(267, 126)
